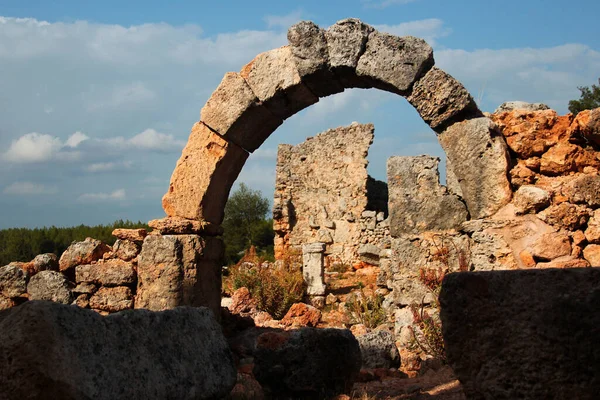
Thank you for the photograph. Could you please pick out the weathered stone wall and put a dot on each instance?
(321, 194)
(155, 272)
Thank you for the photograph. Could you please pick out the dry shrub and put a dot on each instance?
(274, 287)
(366, 309)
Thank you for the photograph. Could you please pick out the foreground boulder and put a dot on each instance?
(53, 351)
(529, 334)
(307, 363)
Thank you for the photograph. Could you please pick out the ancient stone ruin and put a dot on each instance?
(522, 193)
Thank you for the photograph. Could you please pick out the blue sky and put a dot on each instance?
(97, 98)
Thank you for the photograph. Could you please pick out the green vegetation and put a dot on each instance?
(274, 288)
(590, 98)
(366, 309)
(246, 224)
(23, 244)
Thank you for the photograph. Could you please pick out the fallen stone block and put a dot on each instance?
(53, 351)
(82, 253)
(106, 273)
(528, 334)
(50, 285)
(378, 350)
(13, 281)
(308, 362)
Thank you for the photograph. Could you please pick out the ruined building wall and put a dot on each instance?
(321, 194)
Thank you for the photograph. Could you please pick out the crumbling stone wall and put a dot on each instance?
(321, 194)
(151, 271)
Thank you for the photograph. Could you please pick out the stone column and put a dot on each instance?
(180, 270)
(313, 268)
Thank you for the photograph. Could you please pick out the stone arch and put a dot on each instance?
(248, 106)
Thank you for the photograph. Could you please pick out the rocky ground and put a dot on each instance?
(421, 379)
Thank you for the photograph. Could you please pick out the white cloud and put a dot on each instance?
(548, 75)
(126, 95)
(99, 197)
(108, 166)
(284, 21)
(33, 148)
(76, 139)
(29, 188)
(385, 3)
(148, 140)
(428, 29)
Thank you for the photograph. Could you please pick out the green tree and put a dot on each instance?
(246, 223)
(590, 98)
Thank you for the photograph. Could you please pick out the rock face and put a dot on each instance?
(49, 350)
(500, 348)
(308, 362)
(82, 253)
(417, 201)
(378, 350)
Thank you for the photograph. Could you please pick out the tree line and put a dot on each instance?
(23, 244)
(246, 223)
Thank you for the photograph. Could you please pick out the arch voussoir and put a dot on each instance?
(394, 63)
(203, 176)
(274, 79)
(440, 99)
(234, 112)
(308, 44)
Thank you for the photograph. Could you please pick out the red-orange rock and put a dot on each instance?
(560, 159)
(85, 252)
(550, 246)
(301, 314)
(587, 124)
(134, 235)
(531, 133)
(112, 299)
(242, 302)
(592, 254)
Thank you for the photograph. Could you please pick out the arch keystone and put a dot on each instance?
(311, 55)
(346, 42)
(205, 172)
(235, 112)
(274, 79)
(394, 63)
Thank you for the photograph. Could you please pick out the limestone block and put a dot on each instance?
(82, 253)
(43, 262)
(592, 233)
(313, 268)
(112, 299)
(440, 98)
(417, 201)
(176, 270)
(530, 199)
(234, 111)
(13, 281)
(480, 162)
(506, 332)
(54, 351)
(394, 63)
(592, 254)
(346, 41)
(378, 350)
(133, 235)
(106, 273)
(183, 226)
(587, 124)
(204, 174)
(274, 79)
(520, 105)
(126, 250)
(452, 181)
(50, 285)
(369, 253)
(309, 47)
(583, 189)
(566, 215)
(550, 246)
